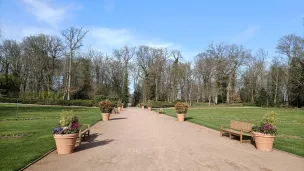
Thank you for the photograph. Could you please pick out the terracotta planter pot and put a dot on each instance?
(150, 108)
(143, 107)
(105, 116)
(263, 142)
(254, 134)
(119, 109)
(65, 143)
(181, 117)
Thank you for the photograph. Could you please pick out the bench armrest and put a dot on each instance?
(88, 125)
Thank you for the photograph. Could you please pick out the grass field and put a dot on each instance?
(33, 126)
(290, 122)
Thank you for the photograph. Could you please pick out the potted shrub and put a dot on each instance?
(181, 110)
(66, 134)
(161, 111)
(119, 107)
(106, 108)
(149, 105)
(142, 105)
(265, 133)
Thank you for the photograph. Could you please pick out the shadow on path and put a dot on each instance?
(92, 144)
(117, 118)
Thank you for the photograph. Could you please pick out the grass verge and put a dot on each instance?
(290, 123)
(26, 131)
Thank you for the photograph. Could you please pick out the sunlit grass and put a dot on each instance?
(35, 124)
(290, 122)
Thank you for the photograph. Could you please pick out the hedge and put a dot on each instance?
(161, 104)
(61, 102)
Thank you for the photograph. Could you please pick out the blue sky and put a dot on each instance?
(185, 25)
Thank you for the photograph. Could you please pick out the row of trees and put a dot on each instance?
(55, 67)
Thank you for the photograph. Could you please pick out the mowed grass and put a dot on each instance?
(290, 122)
(37, 123)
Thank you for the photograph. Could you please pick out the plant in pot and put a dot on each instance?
(142, 105)
(265, 133)
(106, 108)
(181, 110)
(119, 107)
(161, 111)
(66, 134)
(149, 105)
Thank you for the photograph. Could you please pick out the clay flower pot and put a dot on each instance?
(143, 107)
(254, 134)
(150, 108)
(65, 143)
(105, 116)
(181, 117)
(263, 142)
(119, 109)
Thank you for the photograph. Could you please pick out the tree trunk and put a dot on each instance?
(69, 74)
(276, 90)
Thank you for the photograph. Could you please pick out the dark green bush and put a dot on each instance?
(61, 102)
(106, 106)
(100, 98)
(181, 108)
(158, 104)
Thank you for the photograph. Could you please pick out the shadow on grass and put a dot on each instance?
(117, 118)
(188, 118)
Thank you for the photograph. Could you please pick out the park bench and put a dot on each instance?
(238, 128)
(115, 111)
(83, 133)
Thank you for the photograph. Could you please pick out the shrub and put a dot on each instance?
(161, 111)
(88, 103)
(150, 103)
(266, 126)
(158, 104)
(181, 108)
(68, 123)
(119, 104)
(106, 106)
(100, 98)
(269, 118)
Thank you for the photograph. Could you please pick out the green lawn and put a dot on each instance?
(290, 122)
(36, 122)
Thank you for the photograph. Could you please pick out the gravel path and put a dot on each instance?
(140, 140)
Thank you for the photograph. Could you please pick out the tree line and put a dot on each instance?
(50, 66)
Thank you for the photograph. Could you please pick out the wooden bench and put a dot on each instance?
(115, 111)
(83, 133)
(238, 128)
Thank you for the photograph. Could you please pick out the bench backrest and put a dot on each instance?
(244, 126)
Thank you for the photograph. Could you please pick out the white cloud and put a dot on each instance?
(106, 39)
(46, 12)
(246, 34)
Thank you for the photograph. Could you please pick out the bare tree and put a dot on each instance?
(73, 38)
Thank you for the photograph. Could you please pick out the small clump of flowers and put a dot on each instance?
(68, 124)
(266, 126)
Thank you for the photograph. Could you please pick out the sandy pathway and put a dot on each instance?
(140, 140)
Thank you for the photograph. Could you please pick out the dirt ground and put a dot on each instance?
(137, 139)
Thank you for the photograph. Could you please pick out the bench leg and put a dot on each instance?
(221, 131)
(241, 137)
(230, 135)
